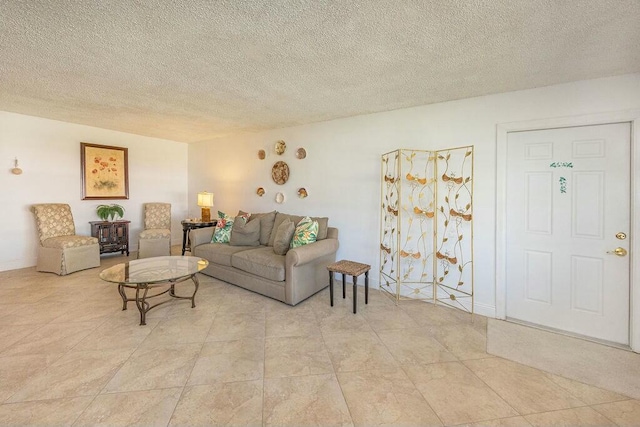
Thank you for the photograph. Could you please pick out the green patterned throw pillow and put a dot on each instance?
(306, 232)
(223, 228)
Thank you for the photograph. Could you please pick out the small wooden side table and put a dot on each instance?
(353, 269)
(188, 225)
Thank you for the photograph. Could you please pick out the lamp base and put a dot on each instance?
(206, 215)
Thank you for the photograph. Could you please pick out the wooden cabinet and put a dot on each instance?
(112, 236)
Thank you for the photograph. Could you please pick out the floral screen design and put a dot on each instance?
(426, 221)
(454, 227)
(407, 223)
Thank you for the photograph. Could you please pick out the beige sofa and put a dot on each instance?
(289, 278)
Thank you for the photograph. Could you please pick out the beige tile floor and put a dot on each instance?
(70, 356)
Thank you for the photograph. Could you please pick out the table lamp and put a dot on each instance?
(205, 201)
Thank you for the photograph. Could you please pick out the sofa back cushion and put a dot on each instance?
(266, 224)
(284, 234)
(323, 224)
(244, 233)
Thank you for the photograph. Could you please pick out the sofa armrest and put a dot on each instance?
(307, 253)
(200, 236)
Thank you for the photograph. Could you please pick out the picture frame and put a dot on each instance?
(104, 171)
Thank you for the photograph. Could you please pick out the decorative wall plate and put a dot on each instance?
(260, 191)
(301, 153)
(280, 172)
(281, 146)
(279, 198)
(302, 193)
(261, 154)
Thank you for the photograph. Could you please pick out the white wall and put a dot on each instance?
(49, 153)
(342, 168)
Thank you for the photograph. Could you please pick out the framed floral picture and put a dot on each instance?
(105, 172)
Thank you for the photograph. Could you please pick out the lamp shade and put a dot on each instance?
(205, 200)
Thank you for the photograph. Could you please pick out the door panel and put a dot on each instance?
(539, 202)
(568, 194)
(538, 276)
(587, 285)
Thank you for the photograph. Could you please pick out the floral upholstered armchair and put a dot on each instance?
(155, 240)
(61, 250)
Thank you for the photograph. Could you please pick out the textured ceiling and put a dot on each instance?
(195, 69)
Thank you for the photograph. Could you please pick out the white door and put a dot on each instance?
(568, 201)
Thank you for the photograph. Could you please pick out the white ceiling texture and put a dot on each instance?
(193, 70)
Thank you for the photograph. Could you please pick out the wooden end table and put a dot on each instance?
(353, 269)
(188, 225)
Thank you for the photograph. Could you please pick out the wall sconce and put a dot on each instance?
(16, 170)
(205, 201)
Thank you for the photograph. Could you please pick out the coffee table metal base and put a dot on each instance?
(142, 294)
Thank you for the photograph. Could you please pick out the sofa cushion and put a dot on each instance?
(218, 253)
(323, 224)
(222, 232)
(266, 224)
(245, 233)
(283, 237)
(262, 262)
(244, 216)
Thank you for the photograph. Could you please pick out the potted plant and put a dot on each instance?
(109, 212)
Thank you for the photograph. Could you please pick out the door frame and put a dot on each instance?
(502, 133)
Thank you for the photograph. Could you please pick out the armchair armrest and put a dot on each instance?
(200, 236)
(307, 253)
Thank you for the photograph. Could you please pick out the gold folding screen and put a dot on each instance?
(426, 233)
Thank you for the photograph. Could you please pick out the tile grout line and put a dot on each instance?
(184, 386)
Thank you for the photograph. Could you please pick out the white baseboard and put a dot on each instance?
(484, 309)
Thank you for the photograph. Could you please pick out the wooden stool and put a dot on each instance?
(354, 269)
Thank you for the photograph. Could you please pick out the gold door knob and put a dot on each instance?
(618, 251)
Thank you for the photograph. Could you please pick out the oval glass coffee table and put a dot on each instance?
(157, 272)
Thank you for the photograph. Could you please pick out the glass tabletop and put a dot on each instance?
(152, 270)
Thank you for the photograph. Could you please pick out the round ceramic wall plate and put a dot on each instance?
(281, 146)
(260, 191)
(261, 154)
(280, 172)
(279, 198)
(302, 192)
(301, 153)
